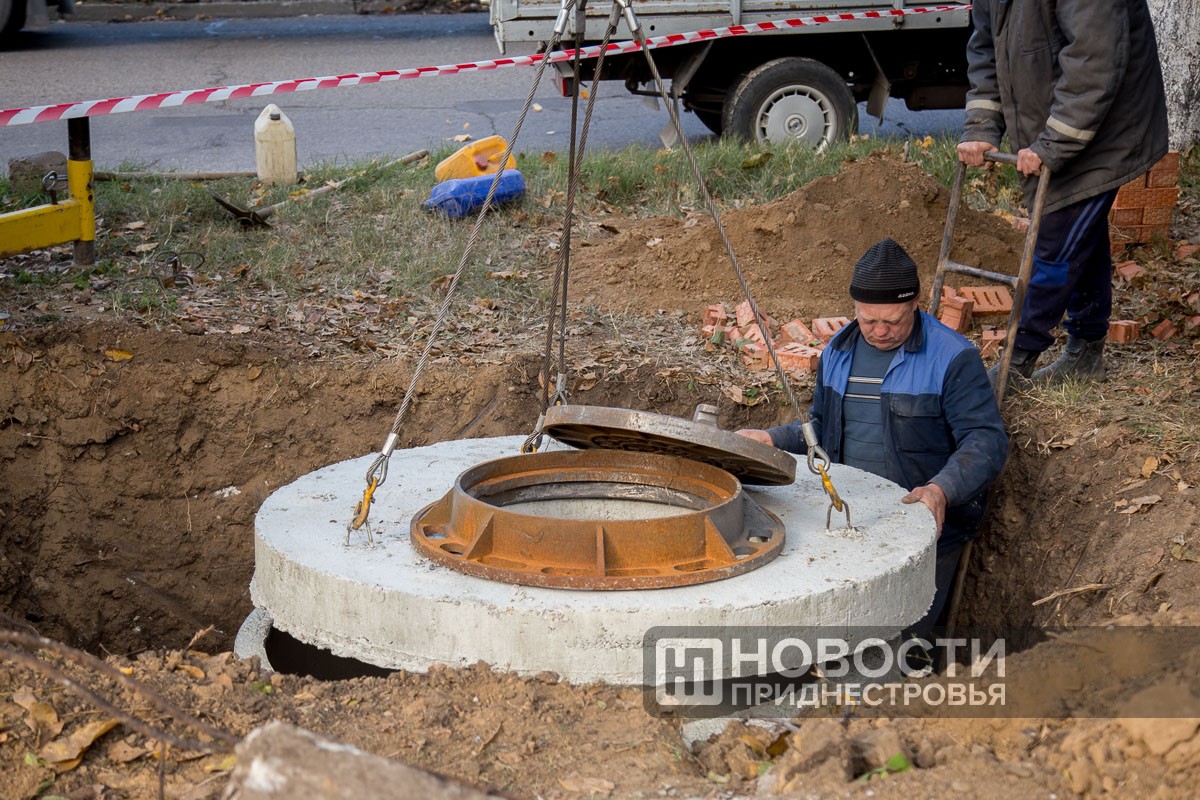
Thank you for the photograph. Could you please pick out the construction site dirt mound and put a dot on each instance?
(797, 253)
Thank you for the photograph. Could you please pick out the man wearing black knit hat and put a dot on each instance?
(903, 396)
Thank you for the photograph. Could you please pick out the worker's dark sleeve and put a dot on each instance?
(981, 445)
(790, 437)
(1092, 68)
(985, 116)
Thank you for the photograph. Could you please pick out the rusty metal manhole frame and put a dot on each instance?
(719, 531)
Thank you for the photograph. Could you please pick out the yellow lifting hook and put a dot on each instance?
(362, 509)
(835, 500)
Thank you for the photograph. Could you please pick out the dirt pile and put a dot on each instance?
(797, 253)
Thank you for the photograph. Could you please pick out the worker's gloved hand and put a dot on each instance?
(934, 499)
(756, 435)
(971, 153)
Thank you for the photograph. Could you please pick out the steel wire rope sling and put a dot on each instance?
(377, 473)
(818, 459)
(558, 299)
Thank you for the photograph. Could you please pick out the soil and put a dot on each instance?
(797, 253)
(133, 458)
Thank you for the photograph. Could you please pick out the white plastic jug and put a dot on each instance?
(275, 147)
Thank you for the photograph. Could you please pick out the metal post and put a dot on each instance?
(79, 183)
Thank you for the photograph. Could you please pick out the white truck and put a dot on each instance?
(802, 84)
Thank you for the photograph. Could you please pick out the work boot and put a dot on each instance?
(1080, 360)
(1020, 369)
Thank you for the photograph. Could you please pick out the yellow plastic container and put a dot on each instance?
(475, 159)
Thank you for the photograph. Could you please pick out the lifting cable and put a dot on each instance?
(558, 300)
(377, 473)
(818, 459)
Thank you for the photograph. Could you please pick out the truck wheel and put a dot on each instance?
(12, 19)
(791, 100)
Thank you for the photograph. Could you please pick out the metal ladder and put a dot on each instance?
(1016, 283)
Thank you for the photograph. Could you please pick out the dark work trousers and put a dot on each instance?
(1072, 273)
(943, 580)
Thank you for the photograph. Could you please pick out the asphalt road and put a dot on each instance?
(78, 61)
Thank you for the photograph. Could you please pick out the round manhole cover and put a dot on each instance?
(699, 439)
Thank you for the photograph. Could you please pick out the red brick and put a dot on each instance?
(745, 314)
(794, 356)
(796, 331)
(955, 313)
(1162, 180)
(1164, 330)
(1126, 216)
(755, 356)
(729, 332)
(754, 334)
(1123, 330)
(1137, 183)
(1158, 215)
(1168, 163)
(1186, 251)
(1129, 270)
(991, 341)
(988, 299)
(1146, 198)
(826, 327)
(715, 315)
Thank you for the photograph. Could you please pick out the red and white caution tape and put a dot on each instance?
(144, 102)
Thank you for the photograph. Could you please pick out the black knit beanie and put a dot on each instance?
(885, 275)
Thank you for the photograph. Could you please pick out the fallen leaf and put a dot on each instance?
(135, 226)
(255, 372)
(123, 753)
(145, 247)
(442, 283)
(118, 355)
(1180, 553)
(194, 672)
(589, 786)
(220, 763)
(655, 242)
(240, 329)
(757, 160)
(1149, 466)
(1138, 503)
(22, 359)
(463, 137)
(64, 754)
(43, 719)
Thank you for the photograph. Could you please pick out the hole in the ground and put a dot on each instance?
(291, 656)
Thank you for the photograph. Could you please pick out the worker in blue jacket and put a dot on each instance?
(901, 395)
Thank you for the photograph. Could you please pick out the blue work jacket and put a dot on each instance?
(940, 420)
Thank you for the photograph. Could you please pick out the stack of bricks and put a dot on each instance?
(797, 346)
(959, 307)
(1143, 207)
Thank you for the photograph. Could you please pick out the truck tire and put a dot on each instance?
(12, 19)
(791, 100)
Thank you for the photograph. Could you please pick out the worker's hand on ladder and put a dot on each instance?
(1029, 162)
(971, 153)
